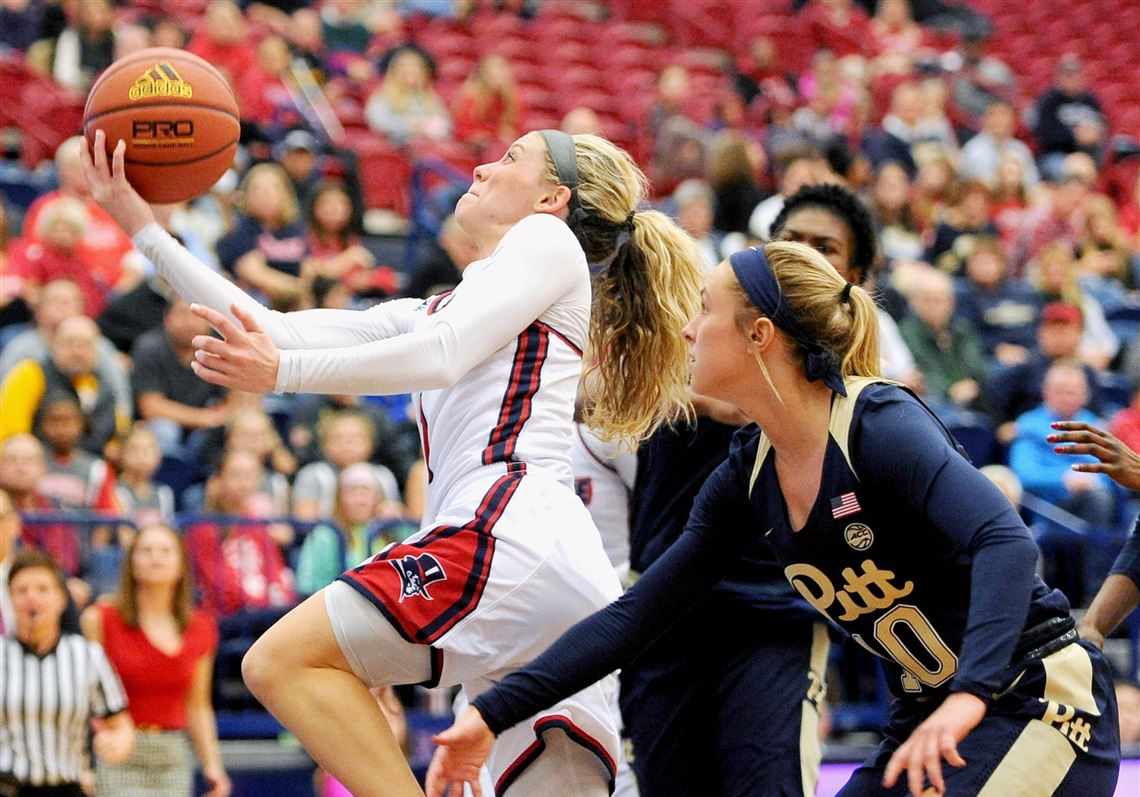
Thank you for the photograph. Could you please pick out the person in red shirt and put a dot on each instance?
(1126, 424)
(163, 649)
(105, 250)
(221, 40)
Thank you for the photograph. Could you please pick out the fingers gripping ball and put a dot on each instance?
(178, 116)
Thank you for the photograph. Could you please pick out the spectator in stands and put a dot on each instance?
(237, 564)
(1059, 218)
(330, 549)
(982, 154)
(1054, 274)
(893, 211)
(1068, 118)
(1014, 390)
(1005, 310)
(163, 649)
(105, 248)
(1126, 423)
(946, 347)
(406, 108)
(694, 208)
(581, 119)
(60, 299)
(335, 251)
(981, 79)
(221, 40)
(1010, 199)
(264, 87)
(732, 167)
(761, 73)
(168, 32)
(86, 46)
(936, 136)
(346, 438)
(895, 139)
(9, 538)
(957, 231)
(307, 42)
(77, 691)
(140, 497)
(75, 479)
(20, 24)
(1069, 559)
(838, 25)
(170, 398)
(250, 428)
(936, 189)
(895, 38)
(677, 140)
(70, 369)
(1104, 253)
(441, 268)
(131, 38)
(266, 248)
(803, 167)
(55, 253)
(829, 100)
(487, 110)
(344, 26)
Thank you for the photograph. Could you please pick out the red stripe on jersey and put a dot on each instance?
(526, 376)
(534, 750)
(547, 328)
(426, 587)
(438, 302)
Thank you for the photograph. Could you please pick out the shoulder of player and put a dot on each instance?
(545, 233)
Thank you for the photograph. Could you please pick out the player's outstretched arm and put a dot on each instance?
(462, 750)
(1117, 597)
(1117, 461)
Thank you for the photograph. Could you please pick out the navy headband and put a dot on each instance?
(759, 281)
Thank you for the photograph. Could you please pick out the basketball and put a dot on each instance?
(178, 116)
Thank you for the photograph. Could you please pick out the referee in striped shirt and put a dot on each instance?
(52, 686)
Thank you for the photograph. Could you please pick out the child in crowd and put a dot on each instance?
(237, 563)
(346, 439)
(142, 499)
(330, 549)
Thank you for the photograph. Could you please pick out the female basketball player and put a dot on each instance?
(510, 558)
(883, 526)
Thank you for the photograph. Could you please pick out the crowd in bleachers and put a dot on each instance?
(998, 156)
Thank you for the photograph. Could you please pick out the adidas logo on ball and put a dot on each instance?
(161, 80)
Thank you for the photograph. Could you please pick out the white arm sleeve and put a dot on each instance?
(537, 263)
(196, 282)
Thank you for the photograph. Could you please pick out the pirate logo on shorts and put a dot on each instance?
(859, 536)
(416, 572)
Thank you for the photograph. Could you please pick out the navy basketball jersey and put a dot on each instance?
(873, 560)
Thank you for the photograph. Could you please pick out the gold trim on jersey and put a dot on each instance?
(838, 426)
(1044, 752)
(811, 749)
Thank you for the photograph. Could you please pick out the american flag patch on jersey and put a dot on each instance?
(844, 505)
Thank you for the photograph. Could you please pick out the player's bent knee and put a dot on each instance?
(257, 670)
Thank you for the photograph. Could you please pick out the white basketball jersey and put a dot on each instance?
(603, 478)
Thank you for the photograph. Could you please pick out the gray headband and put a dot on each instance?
(561, 148)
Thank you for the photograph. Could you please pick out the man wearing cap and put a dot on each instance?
(1068, 118)
(1016, 389)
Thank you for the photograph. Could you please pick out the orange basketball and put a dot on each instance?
(178, 116)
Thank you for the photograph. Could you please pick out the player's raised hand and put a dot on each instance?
(109, 187)
(462, 750)
(1117, 461)
(920, 756)
(244, 359)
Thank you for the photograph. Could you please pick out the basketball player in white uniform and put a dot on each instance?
(510, 558)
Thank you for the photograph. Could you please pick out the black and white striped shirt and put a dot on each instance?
(46, 704)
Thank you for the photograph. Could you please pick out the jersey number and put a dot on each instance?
(910, 639)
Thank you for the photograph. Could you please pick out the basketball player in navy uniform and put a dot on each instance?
(881, 524)
(1120, 593)
(707, 709)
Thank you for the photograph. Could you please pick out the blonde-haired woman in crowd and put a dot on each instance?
(509, 558)
(163, 649)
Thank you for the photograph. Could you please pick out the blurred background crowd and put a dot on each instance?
(994, 141)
